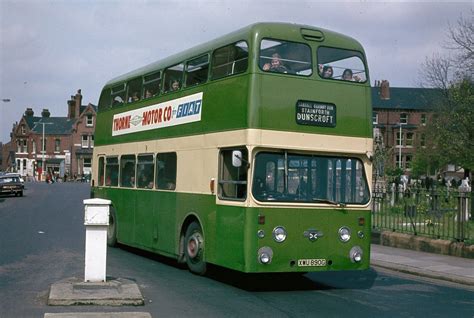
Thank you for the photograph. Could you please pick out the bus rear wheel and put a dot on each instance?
(112, 229)
(194, 249)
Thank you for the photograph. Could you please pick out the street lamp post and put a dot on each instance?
(43, 147)
(400, 147)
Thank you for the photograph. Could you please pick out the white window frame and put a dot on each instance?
(375, 118)
(89, 120)
(423, 119)
(85, 141)
(399, 143)
(410, 141)
(57, 145)
(403, 118)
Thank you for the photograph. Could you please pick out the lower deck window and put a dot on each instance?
(166, 171)
(111, 171)
(127, 171)
(286, 177)
(145, 170)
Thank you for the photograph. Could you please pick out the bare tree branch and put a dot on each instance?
(461, 41)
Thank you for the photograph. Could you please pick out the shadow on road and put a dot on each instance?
(275, 281)
(294, 281)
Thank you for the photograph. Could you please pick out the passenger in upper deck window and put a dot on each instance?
(175, 85)
(327, 71)
(117, 100)
(276, 65)
(134, 97)
(347, 76)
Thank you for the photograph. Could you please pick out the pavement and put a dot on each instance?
(452, 269)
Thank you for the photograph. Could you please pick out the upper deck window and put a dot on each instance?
(151, 84)
(285, 57)
(340, 64)
(118, 94)
(197, 71)
(229, 60)
(134, 90)
(173, 78)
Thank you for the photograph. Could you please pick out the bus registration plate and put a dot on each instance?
(312, 262)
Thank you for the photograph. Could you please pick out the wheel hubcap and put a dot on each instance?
(194, 245)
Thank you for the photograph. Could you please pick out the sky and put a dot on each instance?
(50, 49)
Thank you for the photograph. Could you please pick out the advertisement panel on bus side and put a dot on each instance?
(171, 113)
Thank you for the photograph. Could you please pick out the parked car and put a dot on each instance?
(11, 185)
(14, 174)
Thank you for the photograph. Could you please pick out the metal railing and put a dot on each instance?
(437, 213)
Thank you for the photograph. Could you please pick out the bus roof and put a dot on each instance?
(283, 31)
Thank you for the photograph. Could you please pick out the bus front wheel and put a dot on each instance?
(194, 249)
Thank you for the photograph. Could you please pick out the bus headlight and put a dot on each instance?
(279, 234)
(344, 234)
(355, 254)
(265, 255)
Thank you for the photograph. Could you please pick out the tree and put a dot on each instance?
(451, 129)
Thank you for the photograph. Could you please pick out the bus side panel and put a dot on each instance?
(164, 222)
(123, 202)
(202, 207)
(145, 223)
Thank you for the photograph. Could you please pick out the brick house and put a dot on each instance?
(399, 117)
(68, 142)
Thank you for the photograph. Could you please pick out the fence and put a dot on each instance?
(438, 213)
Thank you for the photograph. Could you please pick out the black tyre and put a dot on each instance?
(112, 229)
(194, 249)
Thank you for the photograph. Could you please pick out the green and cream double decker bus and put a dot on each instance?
(250, 152)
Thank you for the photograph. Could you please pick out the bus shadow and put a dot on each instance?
(153, 256)
(268, 282)
(294, 281)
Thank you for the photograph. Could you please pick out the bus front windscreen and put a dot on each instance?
(287, 177)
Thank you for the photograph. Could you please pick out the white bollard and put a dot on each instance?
(96, 220)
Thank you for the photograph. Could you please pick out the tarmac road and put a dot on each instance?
(42, 242)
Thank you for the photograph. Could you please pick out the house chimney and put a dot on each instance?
(71, 108)
(384, 90)
(29, 112)
(45, 113)
(78, 99)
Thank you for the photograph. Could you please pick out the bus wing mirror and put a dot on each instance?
(237, 158)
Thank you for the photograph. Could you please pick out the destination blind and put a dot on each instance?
(315, 114)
